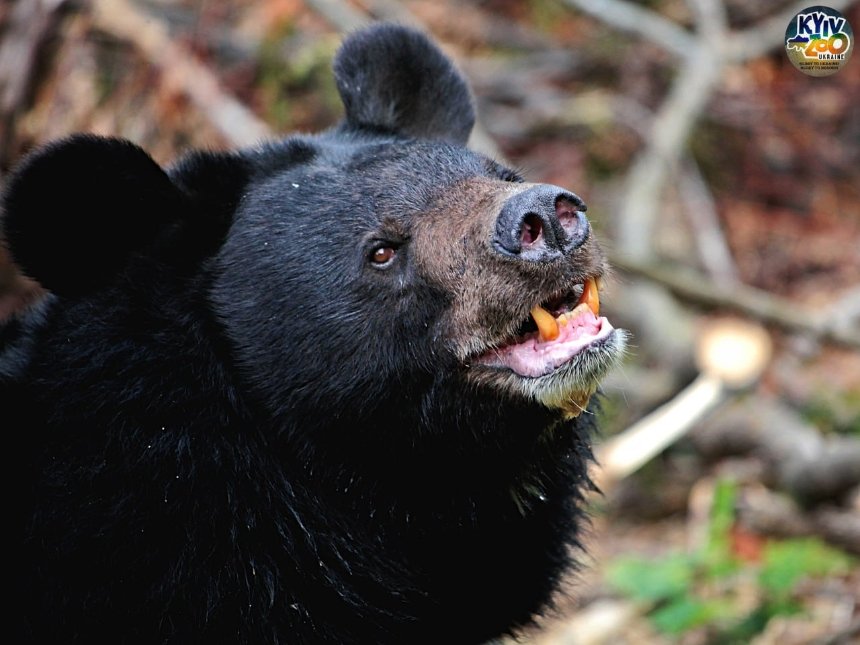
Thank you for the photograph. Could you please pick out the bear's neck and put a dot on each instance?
(470, 520)
(437, 457)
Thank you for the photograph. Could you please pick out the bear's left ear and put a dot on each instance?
(395, 79)
(76, 210)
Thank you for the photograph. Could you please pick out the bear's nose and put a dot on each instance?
(541, 224)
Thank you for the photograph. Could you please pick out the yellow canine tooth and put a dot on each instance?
(547, 325)
(590, 296)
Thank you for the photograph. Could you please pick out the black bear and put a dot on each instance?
(324, 390)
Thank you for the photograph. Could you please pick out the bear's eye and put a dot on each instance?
(382, 256)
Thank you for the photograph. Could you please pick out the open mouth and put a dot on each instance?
(555, 334)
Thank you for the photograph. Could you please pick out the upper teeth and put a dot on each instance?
(590, 296)
(548, 325)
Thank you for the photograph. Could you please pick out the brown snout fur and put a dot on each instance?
(495, 292)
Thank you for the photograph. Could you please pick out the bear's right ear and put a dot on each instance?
(395, 79)
(76, 210)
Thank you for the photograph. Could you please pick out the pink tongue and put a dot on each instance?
(533, 357)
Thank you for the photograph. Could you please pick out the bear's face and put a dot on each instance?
(374, 269)
(380, 260)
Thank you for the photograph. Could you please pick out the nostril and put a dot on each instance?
(531, 231)
(572, 220)
(566, 212)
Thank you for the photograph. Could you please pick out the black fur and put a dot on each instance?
(231, 428)
(394, 79)
(100, 199)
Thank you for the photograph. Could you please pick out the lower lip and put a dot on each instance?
(534, 359)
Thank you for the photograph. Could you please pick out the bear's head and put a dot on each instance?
(377, 283)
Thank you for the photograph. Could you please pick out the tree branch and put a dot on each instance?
(671, 127)
(711, 20)
(27, 27)
(749, 301)
(798, 458)
(702, 212)
(181, 72)
(632, 18)
(340, 15)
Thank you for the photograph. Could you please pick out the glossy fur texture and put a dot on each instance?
(229, 424)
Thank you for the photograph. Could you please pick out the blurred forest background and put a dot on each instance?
(725, 183)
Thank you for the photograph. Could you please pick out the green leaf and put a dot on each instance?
(717, 556)
(682, 614)
(659, 579)
(787, 561)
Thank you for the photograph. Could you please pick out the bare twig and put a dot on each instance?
(625, 453)
(341, 15)
(672, 125)
(711, 21)
(758, 304)
(470, 23)
(632, 18)
(180, 71)
(392, 10)
(28, 24)
(702, 212)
